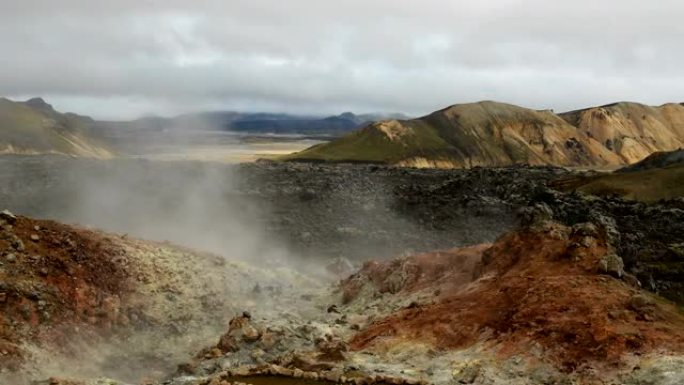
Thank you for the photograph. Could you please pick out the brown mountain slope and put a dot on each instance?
(497, 134)
(34, 127)
(631, 130)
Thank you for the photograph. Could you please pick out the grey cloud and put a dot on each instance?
(125, 58)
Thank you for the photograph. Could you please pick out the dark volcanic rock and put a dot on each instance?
(647, 237)
(344, 210)
(317, 211)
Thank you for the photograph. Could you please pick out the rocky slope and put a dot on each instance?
(497, 134)
(323, 212)
(34, 127)
(546, 303)
(85, 303)
(580, 293)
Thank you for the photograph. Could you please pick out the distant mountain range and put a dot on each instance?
(464, 135)
(497, 134)
(34, 127)
(250, 123)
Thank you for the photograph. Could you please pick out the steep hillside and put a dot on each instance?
(631, 130)
(496, 134)
(83, 302)
(34, 127)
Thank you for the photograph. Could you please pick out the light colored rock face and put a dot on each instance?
(632, 131)
(394, 130)
(423, 162)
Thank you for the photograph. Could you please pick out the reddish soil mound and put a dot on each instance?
(540, 291)
(55, 279)
(441, 271)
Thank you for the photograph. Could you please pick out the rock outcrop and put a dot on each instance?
(80, 302)
(548, 296)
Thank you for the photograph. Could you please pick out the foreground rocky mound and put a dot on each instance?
(497, 134)
(54, 280)
(80, 302)
(546, 303)
(549, 303)
(34, 127)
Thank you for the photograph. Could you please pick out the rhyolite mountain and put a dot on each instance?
(34, 127)
(497, 134)
(633, 131)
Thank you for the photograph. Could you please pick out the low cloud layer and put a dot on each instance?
(121, 59)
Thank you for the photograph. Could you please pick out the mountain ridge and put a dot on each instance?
(489, 133)
(35, 127)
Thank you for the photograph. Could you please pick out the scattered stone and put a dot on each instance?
(8, 217)
(585, 229)
(631, 280)
(612, 264)
(11, 257)
(643, 306)
(332, 349)
(268, 340)
(533, 216)
(35, 237)
(17, 244)
(467, 372)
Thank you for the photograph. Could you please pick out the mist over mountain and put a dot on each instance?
(251, 123)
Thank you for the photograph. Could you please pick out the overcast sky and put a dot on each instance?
(126, 58)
